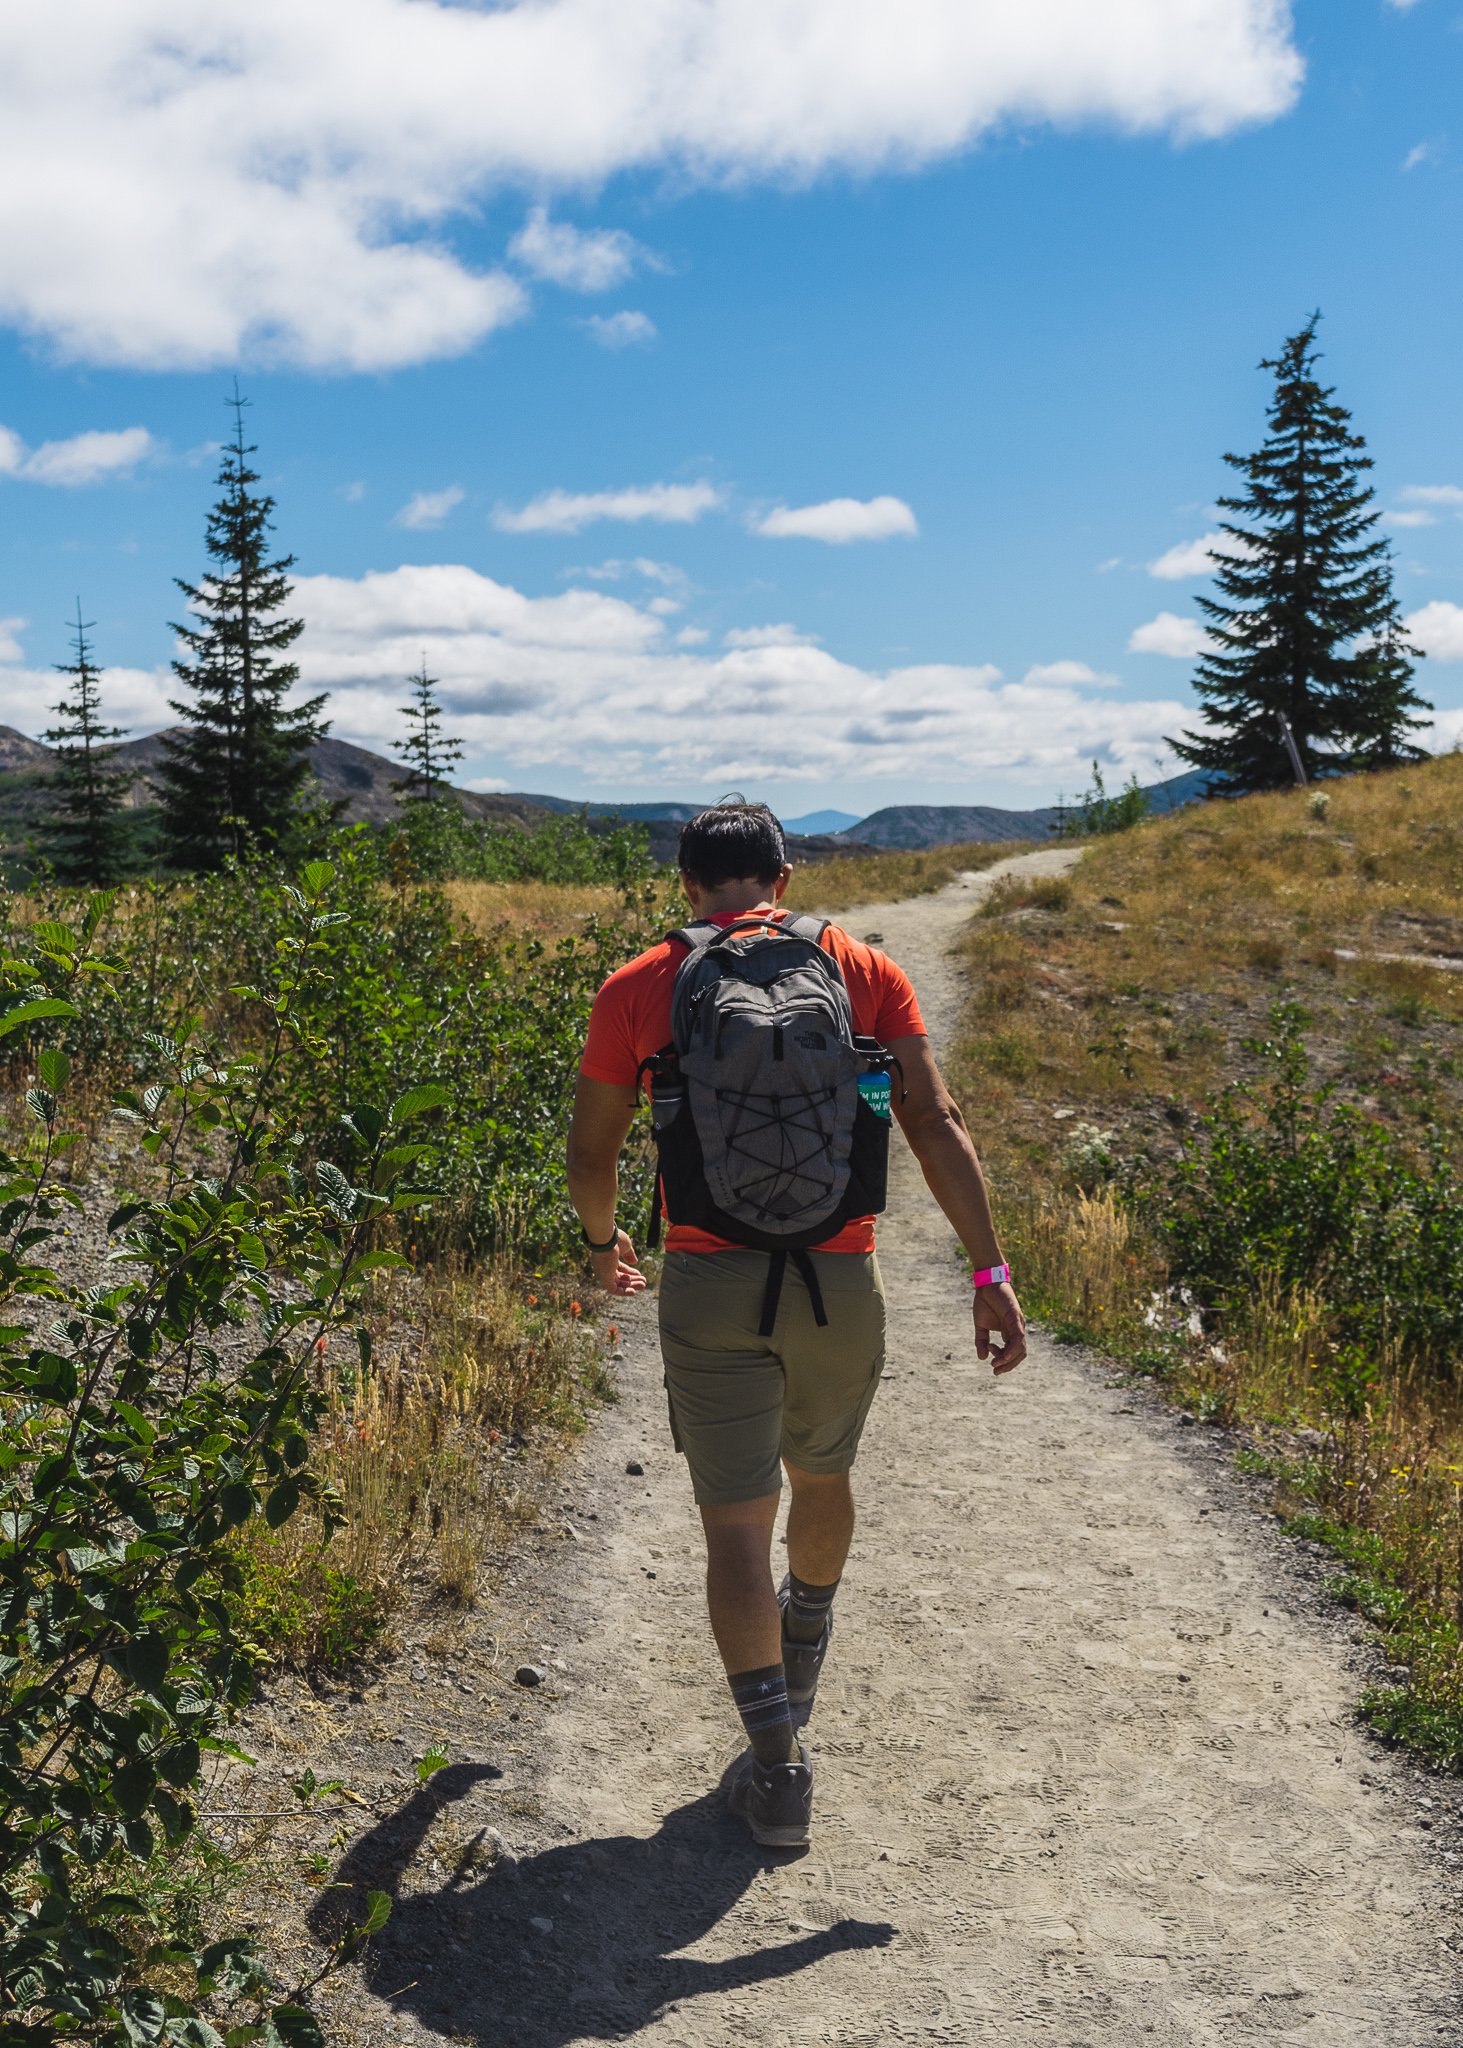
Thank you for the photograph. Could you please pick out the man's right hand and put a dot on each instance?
(616, 1270)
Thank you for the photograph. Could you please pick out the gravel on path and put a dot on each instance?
(1087, 1770)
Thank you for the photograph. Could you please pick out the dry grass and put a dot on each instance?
(1135, 980)
(547, 910)
(436, 1453)
(890, 877)
(1103, 1006)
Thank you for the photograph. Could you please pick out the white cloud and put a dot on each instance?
(1438, 630)
(1112, 562)
(1431, 494)
(1423, 152)
(353, 493)
(621, 330)
(1064, 674)
(692, 636)
(490, 785)
(654, 572)
(1417, 518)
(593, 262)
(428, 508)
(1192, 558)
(769, 636)
(569, 511)
(838, 520)
(86, 458)
(1169, 634)
(539, 684)
(134, 698)
(270, 180)
(10, 647)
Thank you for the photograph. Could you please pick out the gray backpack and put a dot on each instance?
(771, 1117)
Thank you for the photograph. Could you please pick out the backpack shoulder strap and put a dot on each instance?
(804, 927)
(694, 937)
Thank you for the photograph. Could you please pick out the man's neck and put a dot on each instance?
(733, 902)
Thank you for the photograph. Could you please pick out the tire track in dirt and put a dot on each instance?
(1086, 1767)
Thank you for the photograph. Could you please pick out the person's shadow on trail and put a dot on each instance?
(579, 1942)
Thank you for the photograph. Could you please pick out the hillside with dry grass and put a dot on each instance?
(1118, 993)
(1208, 1064)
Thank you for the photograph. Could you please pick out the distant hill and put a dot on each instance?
(907, 826)
(363, 779)
(821, 821)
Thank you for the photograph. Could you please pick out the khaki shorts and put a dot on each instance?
(740, 1402)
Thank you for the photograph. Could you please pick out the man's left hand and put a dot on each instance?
(996, 1308)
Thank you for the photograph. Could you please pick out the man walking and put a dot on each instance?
(774, 1044)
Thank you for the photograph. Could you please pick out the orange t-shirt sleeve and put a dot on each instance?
(880, 994)
(631, 1017)
(609, 1045)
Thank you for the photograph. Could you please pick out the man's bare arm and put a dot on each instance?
(599, 1127)
(930, 1119)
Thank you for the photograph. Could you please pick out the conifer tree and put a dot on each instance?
(233, 774)
(1304, 582)
(1380, 722)
(426, 750)
(84, 831)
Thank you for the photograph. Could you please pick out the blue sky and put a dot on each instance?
(581, 392)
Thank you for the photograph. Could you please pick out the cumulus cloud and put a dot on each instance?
(265, 180)
(621, 330)
(582, 262)
(570, 511)
(10, 647)
(1192, 558)
(1169, 634)
(1419, 517)
(1432, 494)
(769, 636)
(84, 459)
(1438, 630)
(428, 508)
(134, 698)
(541, 684)
(838, 520)
(1064, 674)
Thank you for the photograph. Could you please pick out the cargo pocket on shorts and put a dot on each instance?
(671, 1412)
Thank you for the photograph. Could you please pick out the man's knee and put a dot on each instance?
(819, 1486)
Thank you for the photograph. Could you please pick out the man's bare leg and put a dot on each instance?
(819, 1525)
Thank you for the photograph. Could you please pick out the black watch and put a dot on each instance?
(610, 1243)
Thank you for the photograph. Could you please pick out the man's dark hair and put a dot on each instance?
(730, 842)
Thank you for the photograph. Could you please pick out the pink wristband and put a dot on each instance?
(991, 1277)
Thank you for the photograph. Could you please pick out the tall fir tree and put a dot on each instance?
(233, 774)
(85, 832)
(426, 750)
(1306, 580)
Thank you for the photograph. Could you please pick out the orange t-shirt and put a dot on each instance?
(632, 1019)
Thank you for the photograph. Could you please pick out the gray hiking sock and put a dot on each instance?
(807, 1609)
(761, 1700)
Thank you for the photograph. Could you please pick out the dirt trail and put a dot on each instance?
(1086, 1771)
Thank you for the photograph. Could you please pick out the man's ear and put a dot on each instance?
(779, 887)
(692, 890)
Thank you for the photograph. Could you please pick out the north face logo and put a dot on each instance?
(812, 1041)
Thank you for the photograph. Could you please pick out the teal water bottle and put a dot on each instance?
(873, 1088)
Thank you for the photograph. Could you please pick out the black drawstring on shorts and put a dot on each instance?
(776, 1272)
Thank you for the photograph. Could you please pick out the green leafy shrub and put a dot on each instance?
(147, 1413)
(1278, 1183)
(414, 994)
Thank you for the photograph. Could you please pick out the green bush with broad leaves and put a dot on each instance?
(415, 994)
(149, 1409)
(1278, 1183)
